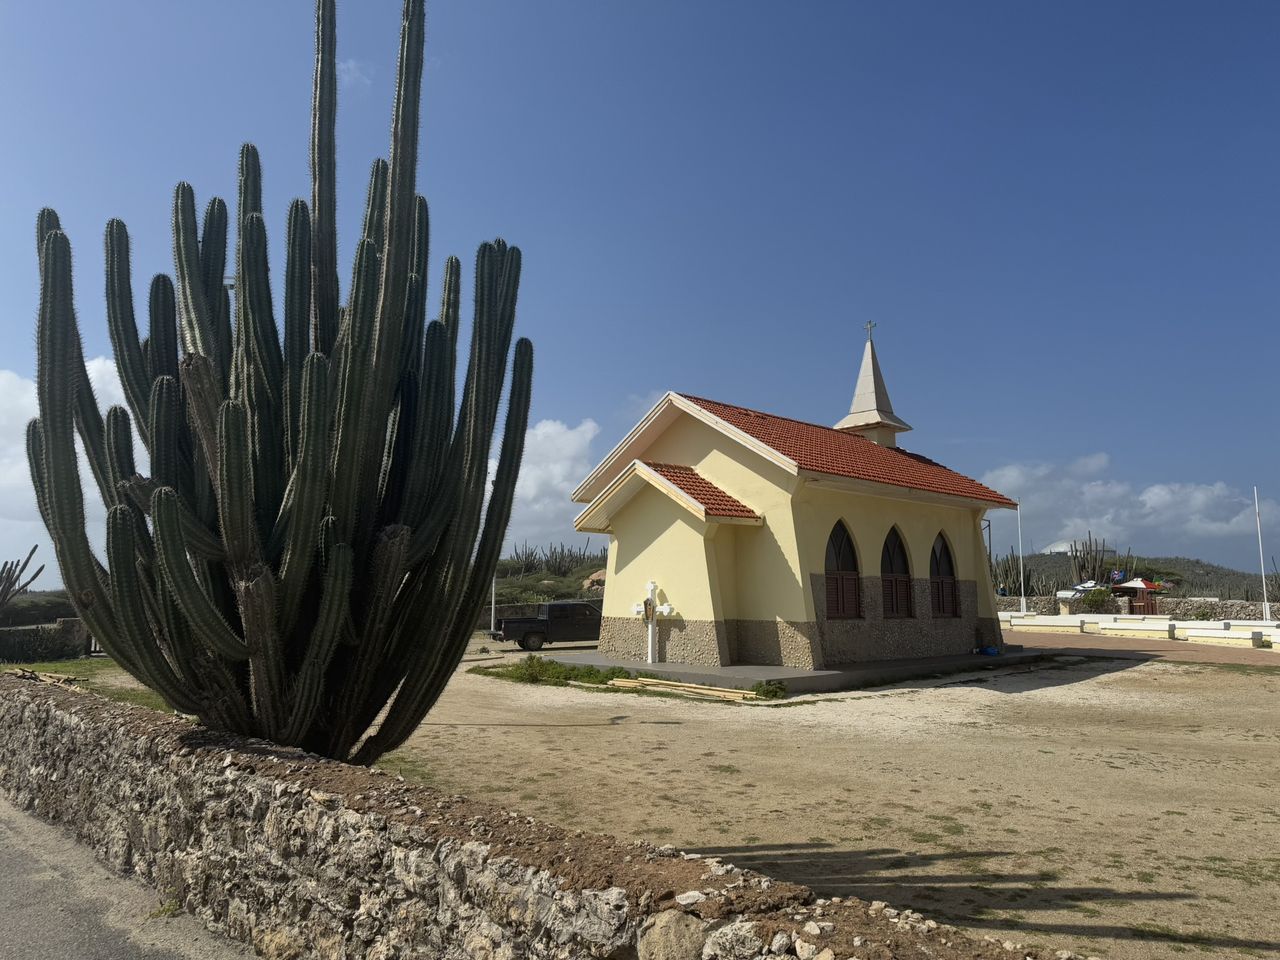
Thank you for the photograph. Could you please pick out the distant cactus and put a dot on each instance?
(312, 546)
(11, 573)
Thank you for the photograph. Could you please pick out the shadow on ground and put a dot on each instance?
(960, 887)
(1053, 672)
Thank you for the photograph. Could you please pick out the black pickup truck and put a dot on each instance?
(558, 622)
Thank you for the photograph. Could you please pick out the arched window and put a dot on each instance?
(942, 580)
(844, 596)
(895, 576)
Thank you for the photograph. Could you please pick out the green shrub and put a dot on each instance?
(40, 642)
(36, 606)
(1096, 600)
(769, 689)
(534, 669)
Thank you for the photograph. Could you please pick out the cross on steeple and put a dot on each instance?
(869, 324)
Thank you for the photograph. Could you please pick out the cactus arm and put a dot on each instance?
(163, 428)
(204, 398)
(210, 627)
(351, 422)
(308, 684)
(257, 600)
(213, 247)
(235, 490)
(47, 221)
(306, 498)
(264, 370)
(195, 316)
(386, 577)
(397, 248)
(200, 543)
(126, 593)
(58, 349)
(134, 376)
(297, 321)
(162, 356)
(119, 446)
(213, 268)
(375, 204)
(120, 458)
(425, 680)
(35, 460)
(324, 204)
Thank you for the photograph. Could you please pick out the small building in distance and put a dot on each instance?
(774, 541)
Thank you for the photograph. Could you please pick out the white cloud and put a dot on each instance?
(1062, 502)
(353, 73)
(556, 458)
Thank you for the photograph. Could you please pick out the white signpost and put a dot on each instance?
(650, 610)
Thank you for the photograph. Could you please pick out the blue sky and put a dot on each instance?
(1063, 218)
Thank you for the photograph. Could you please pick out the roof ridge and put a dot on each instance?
(824, 449)
(776, 416)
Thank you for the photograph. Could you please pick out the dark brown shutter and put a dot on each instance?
(850, 600)
(833, 595)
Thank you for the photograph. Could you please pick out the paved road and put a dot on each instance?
(58, 903)
(1088, 644)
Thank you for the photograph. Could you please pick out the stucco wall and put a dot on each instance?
(766, 577)
(655, 538)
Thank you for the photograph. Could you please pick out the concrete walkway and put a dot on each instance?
(58, 903)
(854, 676)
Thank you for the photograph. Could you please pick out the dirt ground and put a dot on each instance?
(1118, 808)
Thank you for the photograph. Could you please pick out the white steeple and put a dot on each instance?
(871, 414)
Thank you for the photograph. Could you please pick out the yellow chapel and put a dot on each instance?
(758, 539)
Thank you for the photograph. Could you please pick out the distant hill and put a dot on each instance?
(1185, 576)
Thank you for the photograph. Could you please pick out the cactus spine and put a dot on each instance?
(313, 543)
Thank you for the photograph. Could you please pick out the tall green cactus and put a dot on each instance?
(309, 554)
(11, 574)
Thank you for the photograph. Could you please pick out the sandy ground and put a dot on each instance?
(1119, 808)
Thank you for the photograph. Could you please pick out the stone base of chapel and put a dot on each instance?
(812, 645)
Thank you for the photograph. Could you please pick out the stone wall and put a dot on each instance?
(872, 637)
(703, 642)
(63, 640)
(302, 857)
(1045, 606)
(1176, 608)
(1190, 608)
(714, 643)
(778, 643)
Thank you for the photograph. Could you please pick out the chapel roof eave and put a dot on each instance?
(669, 407)
(683, 485)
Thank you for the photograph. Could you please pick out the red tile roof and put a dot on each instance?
(827, 450)
(714, 501)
